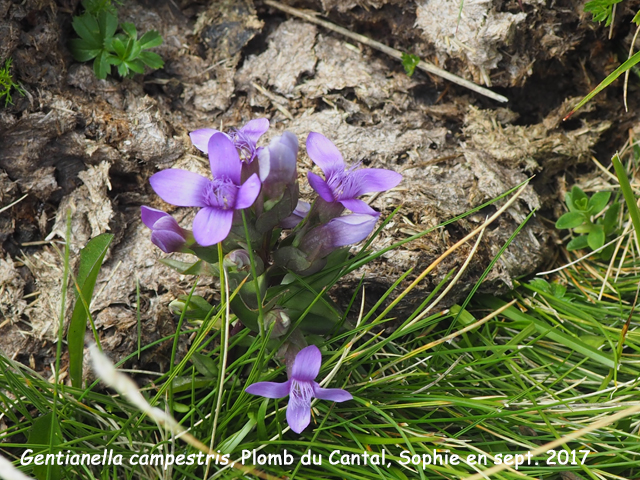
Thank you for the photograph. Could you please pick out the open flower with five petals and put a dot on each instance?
(218, 199)
(343, 184)
(301, 388)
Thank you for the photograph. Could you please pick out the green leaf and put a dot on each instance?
(135, 66)
(81, 51)
(87, 28)
(570, 220)
(108, 23)
(188, 268)
(205, 365)
(150, 39)
(118, 48)
(151, 59)
(628, 194)
(101, 65)
(636, 19)
(602, 10)
(42, 435)
(410, 62)
(578, 243)
(598, 201)
(579, 198)
(232, 441)
(610, 220)
(596, 237)
(91, 257)
(129, 29)
(558, 290)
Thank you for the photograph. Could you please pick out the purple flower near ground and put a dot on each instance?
(245, 138)
(301, 388)
(166, 234)
(343, 184)
(301, 211)
(278, 165)
(217, 198)
(338, 232)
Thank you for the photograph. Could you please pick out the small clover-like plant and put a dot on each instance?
(579, 218)
(99, 42)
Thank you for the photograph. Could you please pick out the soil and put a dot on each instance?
(90, 145)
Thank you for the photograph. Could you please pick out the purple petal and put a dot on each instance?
(321, 187)
(358, 206)
(367, 180)
(224, 159)
(180, 187)
(324, 154)
(212, 225)
(269, 389)
(299, 407)
(151, 215)
(167, 240)
(306, 366)
(332, 394)
(200, 138)
(254, 129)
(350, 229)
(248, 192)
(301, 211)
(278, 160)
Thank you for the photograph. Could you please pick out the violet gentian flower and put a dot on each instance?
(337, 232)
(218, 198)
(343, 184)
(301, 388)
(166, 234)
(278, 165)
(245, 138)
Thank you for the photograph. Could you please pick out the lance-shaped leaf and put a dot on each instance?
(91, 258)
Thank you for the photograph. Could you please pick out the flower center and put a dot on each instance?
(342, 183)
(221, 193)
(246, 148)
(300, 393)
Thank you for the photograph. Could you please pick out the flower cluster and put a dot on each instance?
(251, 207)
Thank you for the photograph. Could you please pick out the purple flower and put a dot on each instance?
(345, 184)
(166, 234)
(338, 232)
(278, 165)
(218, 198)
(244, 139)
(301, 388)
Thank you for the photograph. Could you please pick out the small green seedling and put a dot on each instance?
(7, 84)
(410, 62)
(99, 42)
(582, 209)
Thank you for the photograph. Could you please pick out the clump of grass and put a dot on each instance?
(8, 84)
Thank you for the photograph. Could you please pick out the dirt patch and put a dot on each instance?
(90, 145)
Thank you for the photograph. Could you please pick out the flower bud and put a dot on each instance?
(301, 211)
(338, 232)
(280, 320)
(166, 234)
(278, 167)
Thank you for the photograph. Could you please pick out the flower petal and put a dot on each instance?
(248, 192)
(306, 366)
(269, 389)
(324, 154)
(299, 414)
(224, 159)
(367, 180)
(151, 215)
(321, 187)
(350, 229)
(358, 206)
(212, 225)
(254, 129)
(332, 394)
(200, 138)
(180, 187)
(167, 240)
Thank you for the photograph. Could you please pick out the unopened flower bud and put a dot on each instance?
(280, 321)
(166, 234)
(278, 166)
